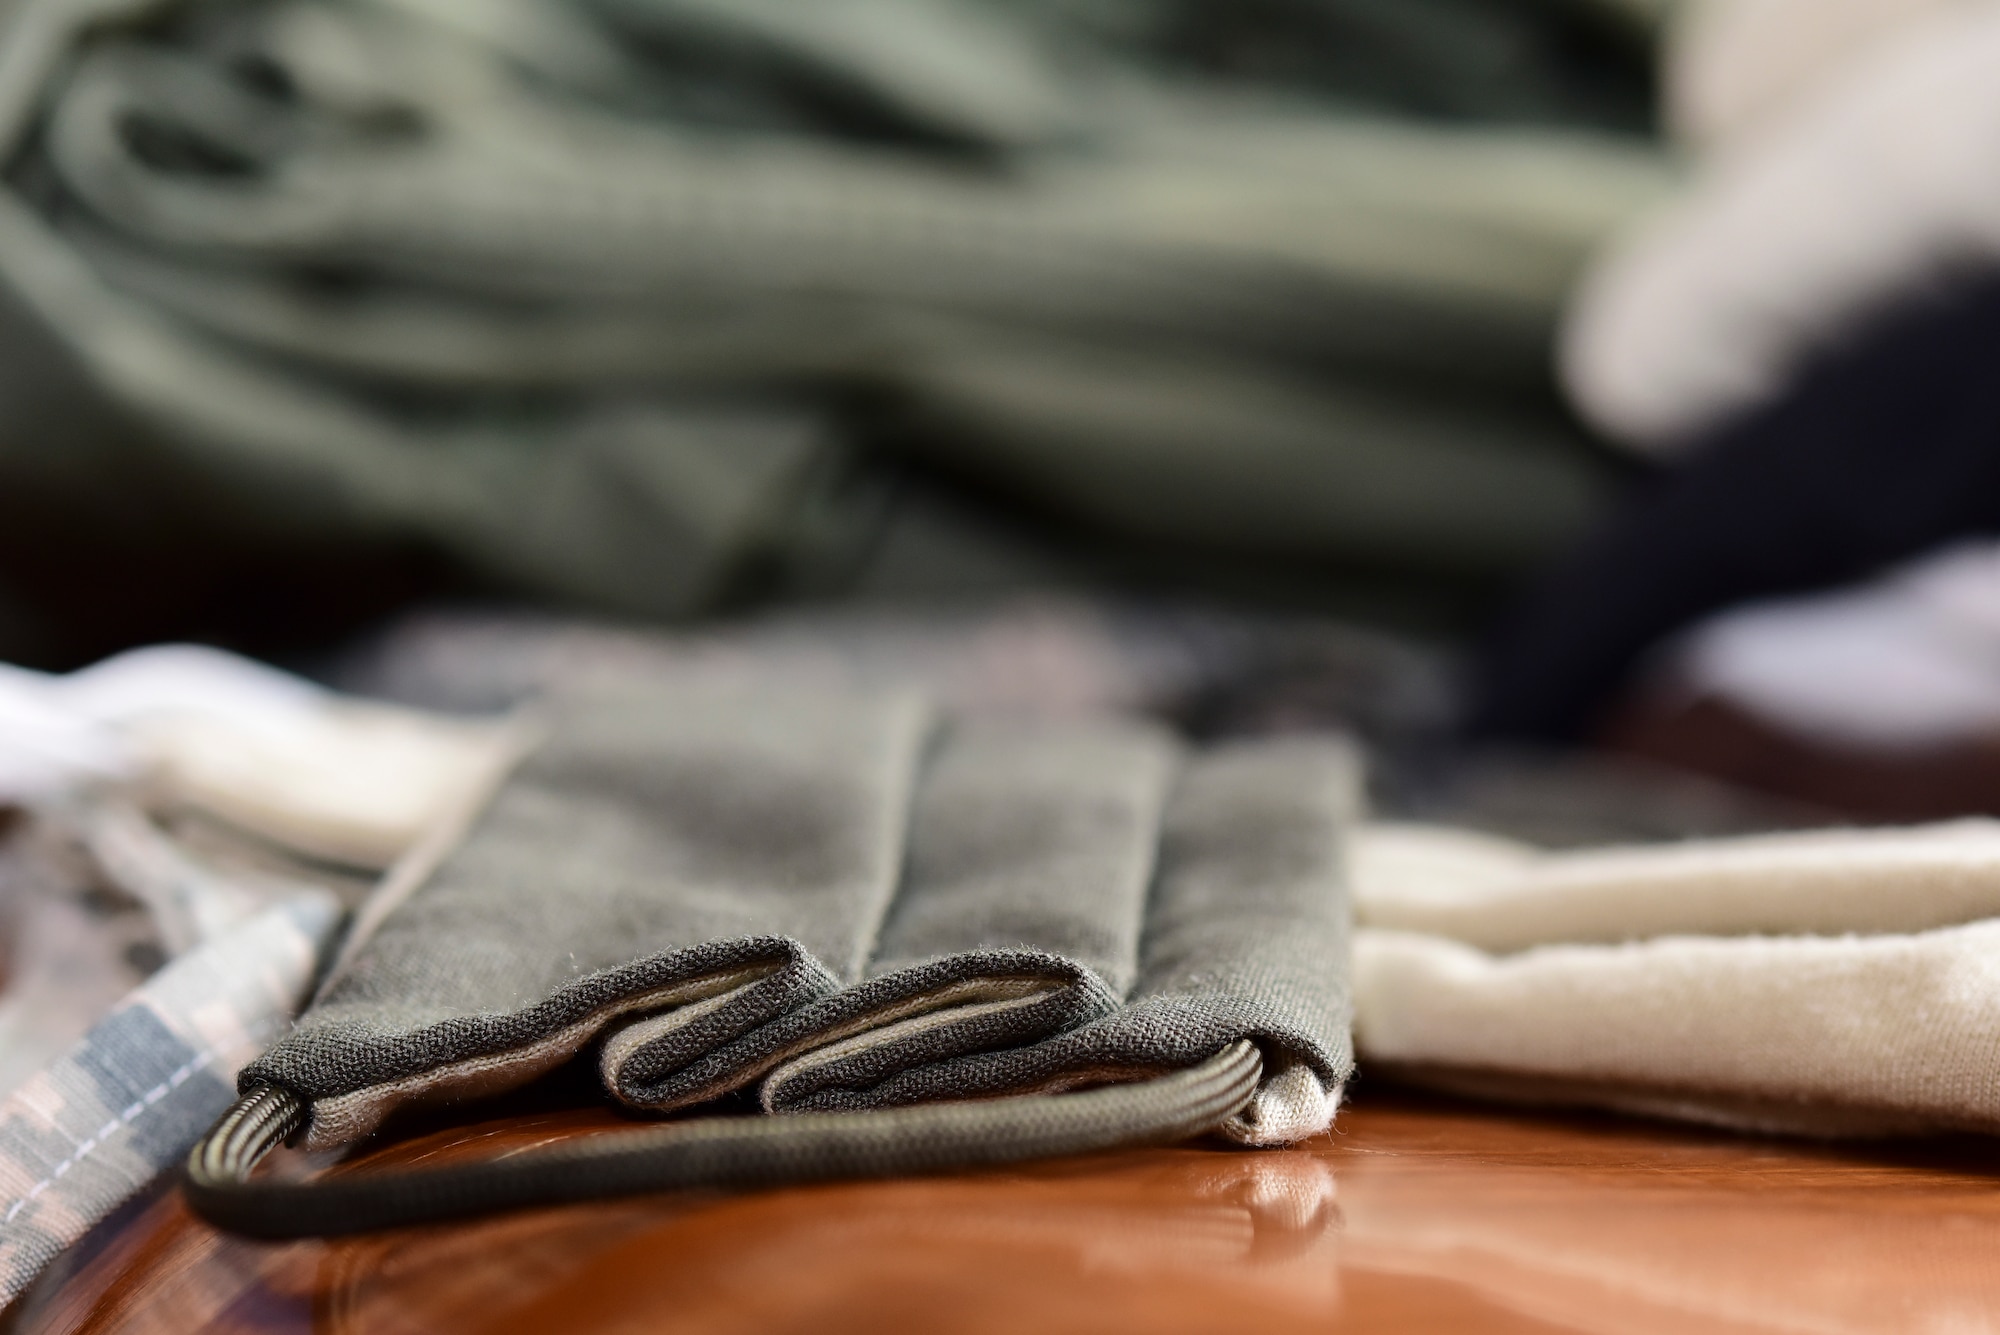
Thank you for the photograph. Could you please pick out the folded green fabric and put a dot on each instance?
(829, 897)
(1245, 936)
(647, 304)
(1032, 848)
(720, 860)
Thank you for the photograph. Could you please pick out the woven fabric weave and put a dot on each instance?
(1018, 916)
(723, 856)
(857, 907)
(1245, 937)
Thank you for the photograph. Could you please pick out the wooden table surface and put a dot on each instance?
(1417, 1215)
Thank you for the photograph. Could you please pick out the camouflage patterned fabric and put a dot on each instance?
(125, 1103)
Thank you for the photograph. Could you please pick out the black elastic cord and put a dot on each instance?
(707, 1152)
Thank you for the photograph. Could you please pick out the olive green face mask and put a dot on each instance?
(924, 943)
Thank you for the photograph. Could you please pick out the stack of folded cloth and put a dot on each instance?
(651, 306)
(844, 901)
(842, 898)
(1828, 982)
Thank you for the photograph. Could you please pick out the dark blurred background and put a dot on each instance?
(1525, 376)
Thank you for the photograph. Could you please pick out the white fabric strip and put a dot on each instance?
(1503, 896)
(1904, 1026)
(1832, 982)
(183, 726)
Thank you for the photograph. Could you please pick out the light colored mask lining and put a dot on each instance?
(346, 1118)
(625, 1042)
(1288, 1107)
(948, 1005)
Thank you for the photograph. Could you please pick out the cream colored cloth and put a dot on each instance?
(175, 731)
(1831, 982)
(1872, 187)
(1733, 67)
(189, 728)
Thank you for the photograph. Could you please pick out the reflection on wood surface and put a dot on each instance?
(1416, 1216)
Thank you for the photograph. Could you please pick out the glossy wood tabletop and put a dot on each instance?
(1418, 1215)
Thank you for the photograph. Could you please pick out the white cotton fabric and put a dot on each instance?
(1868, 191)
(1288, 1107)
(188, 727)
(1905, 663)
(1832, 982)
(1731, 67)
(1502, 896)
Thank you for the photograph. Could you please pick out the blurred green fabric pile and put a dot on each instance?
(653, 306)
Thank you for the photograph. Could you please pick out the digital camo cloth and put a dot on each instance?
(123, 1105)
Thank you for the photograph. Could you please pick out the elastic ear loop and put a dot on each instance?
(750, 1151)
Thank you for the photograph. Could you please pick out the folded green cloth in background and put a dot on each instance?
(654, 305)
